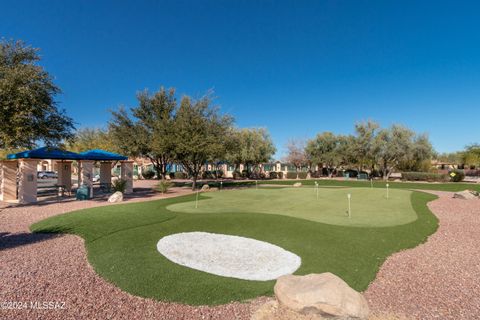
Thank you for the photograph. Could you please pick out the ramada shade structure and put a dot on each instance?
(18, 174)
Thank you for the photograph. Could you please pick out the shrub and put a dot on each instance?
(257, 175)
(280, 175)
(219, 173)
(180, 175)
(292, 175)
(456, 175)
(272, 175)
(339, 173)
(148, 174)
(119, 185)
(316, 174)
(424, 176)
(164, 185)
(236, 175)
(302, 175)
(244, 173)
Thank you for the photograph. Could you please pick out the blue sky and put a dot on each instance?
(295, 67)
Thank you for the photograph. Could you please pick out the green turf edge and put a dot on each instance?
(402, 239)
(451, 186)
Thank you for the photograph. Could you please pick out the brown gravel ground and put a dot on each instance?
(45, 268)
(436, 280)
(439, 279)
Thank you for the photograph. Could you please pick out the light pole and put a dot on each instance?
(387, 190)
(316, 188)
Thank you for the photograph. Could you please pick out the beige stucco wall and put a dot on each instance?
(27, 183)
(106, 172)
(8, 182)
(65, 174)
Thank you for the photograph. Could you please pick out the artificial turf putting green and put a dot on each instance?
(121, 244)
(369, 206)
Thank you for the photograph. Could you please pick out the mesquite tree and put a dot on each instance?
(28, 110)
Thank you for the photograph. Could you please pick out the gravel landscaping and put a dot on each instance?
(229, 256)
(37, 269)
(436, 280)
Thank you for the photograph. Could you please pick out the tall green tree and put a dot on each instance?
(327, 149)
(393, 146)
(92, 138)
(362, 148)
(471, 155)
(250, 147)
(28, 111)
(148, 132)
(199, 135)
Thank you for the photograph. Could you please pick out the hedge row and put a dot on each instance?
(425, 176)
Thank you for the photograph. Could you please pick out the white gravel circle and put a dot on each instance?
(229, 256)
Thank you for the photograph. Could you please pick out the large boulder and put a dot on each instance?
(116, 197)
(297, 184)
(320, 296)
(205, 187)
(466, 194)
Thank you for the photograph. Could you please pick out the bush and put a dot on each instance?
(425, 176)
(280, 175)
(257, 175)
(316, 174)
(180, 175)
(164, 185)
(456, 175)
(219, 173)
(302, 175)
(339, 173)
(244, 173)
(236, 175)
(272, 175)
(119, 185)
(291, 175)
(148, 174)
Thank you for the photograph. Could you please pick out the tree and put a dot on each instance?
(421, 155)
(326, 150)
(199, 133)
(149, 133)
(28, 111)
(362, 147)
(296, 154)
(92, 138)
(393, 146)
(471, 155)
(250, 147)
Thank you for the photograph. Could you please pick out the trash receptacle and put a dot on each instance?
(83, 193)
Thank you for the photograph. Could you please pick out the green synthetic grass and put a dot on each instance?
(451, 186)
(121, 244)
(369, 207)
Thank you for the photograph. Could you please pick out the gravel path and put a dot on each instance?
(36, 270)
(441, 278)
